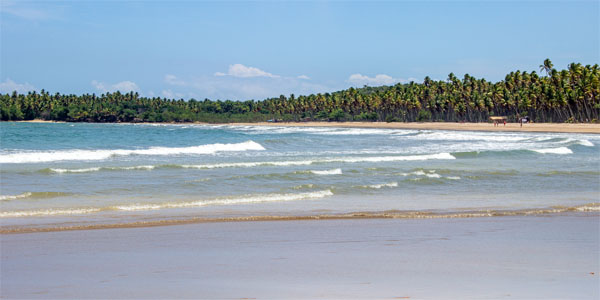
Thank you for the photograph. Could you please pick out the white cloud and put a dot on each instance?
(380, 79)
(123, 86)
(303, 77)
(10, 86)
(239, 70)
(173, 80)
(171, 95)
(258, 88)
(126, 86)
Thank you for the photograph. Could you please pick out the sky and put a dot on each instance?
(256, 50)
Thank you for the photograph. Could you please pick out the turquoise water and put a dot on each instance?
(56, 173)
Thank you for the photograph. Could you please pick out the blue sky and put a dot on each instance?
(253, 50)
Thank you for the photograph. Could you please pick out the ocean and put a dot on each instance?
(57, 176)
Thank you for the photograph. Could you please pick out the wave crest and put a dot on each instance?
(32, 195)
(378, 186)
(248, 199)
(79, 154)
(327, 172)
(559, 150)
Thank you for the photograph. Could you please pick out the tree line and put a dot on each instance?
(569, 95)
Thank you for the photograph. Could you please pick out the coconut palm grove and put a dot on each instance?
(569, 95)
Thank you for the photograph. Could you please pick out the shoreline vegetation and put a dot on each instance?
(566, 96)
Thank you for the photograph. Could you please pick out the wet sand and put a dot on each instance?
(532, 257)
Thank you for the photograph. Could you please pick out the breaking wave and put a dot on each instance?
(79, 154)
(261, 163)
(247, 199)
(327, 172)
(378, 186)
(474, 154)
(95, 169)
(32, 195)
(326, 160)
(560, 150)
(13, 197)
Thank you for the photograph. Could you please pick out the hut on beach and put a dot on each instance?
(498, 119)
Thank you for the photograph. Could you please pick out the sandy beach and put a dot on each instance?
(516, 127)
(505, 257)
(532, 127)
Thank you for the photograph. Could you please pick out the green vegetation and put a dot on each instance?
(571, 95)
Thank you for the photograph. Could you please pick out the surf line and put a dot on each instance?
(593, 208)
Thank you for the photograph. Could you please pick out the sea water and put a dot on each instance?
(59, 175)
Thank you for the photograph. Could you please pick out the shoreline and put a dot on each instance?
(509, 127)
(582, 210)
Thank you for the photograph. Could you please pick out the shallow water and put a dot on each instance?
(66, 173)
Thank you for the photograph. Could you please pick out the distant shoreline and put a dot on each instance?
(533, 127)
(510, 127)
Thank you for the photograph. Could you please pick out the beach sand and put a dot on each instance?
(524, 257)
(532, 127)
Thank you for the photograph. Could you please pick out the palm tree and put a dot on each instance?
(547, 66)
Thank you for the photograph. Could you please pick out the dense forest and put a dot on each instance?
(571, 95)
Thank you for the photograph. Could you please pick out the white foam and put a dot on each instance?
(95, 169)
(318, 130)
(364, 131)
(586, 143)
(324, 160)
(560, 150)
(229, 201)
(430, 174)
(48, 212)
(378, 186)
(13, 197)
(75, 170)
(275, 163)
(327, 172)
(453, 177)
(392, 158)
(433, 175)
(250, 164)
(592, 207)
(249, 199)
(79, 154)
(133, 168)
(467, 136)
